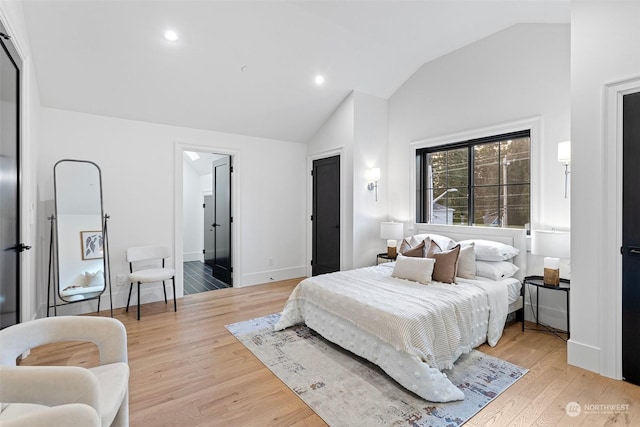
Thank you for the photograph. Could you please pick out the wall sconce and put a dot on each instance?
(391, 232)
(373, 176)
(564, 156)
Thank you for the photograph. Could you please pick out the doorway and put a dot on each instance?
(10, 74)
(630, 237)
(206, 221)
(325, 216)
(220, 227)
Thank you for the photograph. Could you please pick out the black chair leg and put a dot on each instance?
(138, 300)
(129, 299)
(164, 288)
(175, 306)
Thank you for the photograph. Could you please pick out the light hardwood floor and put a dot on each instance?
(188, 370)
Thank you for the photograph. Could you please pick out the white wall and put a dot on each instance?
(206, 184)
(516, 74)
(336, 136)
(369, 151)
(357, 131)
(32, 279)
(139, 177)
(193, 214)
(604, 49)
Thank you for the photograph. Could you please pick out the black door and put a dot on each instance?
(631, 238)
(222, 219)
(326, 216)
(10, 246)
(209, 232)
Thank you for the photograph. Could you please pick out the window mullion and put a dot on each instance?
(471, 185)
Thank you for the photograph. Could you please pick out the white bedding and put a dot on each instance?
(513, 288)
(410, 330)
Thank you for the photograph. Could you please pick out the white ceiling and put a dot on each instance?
(110, 57)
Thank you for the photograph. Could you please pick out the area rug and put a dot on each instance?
(346, 390)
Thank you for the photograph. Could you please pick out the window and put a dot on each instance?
(483, 182)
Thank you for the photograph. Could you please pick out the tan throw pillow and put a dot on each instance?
(446, 265)
(467, 262)
(414, 251)
(404, 246)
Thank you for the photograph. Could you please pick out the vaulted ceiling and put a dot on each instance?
(248, 67)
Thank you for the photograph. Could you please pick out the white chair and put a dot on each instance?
(150, 273)
(72, 414)
(28, 393)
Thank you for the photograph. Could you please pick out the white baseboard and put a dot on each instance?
(149, 293)
(583, 356)
(271, 276)
(192, 256)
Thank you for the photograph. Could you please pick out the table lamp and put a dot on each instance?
(553, 245)
(392, 232)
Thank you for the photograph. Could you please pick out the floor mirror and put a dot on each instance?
(79, 251)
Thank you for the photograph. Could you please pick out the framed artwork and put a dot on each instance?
(91, 244)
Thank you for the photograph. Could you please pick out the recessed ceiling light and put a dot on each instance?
(319, 80)
(171, 35)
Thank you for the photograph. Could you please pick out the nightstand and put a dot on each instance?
(564, 286)
(384, 257)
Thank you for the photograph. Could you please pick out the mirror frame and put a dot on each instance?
(88, 295)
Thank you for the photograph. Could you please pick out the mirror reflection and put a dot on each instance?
(79, 230)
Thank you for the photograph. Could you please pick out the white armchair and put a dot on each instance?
(27, 391)
(72, 414)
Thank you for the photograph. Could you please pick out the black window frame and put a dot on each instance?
(422, 210)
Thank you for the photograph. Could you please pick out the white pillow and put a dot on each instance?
(487, 250)
(467, 262)
(495, 270)
(414, 268)
(444, 242)
(94, 279)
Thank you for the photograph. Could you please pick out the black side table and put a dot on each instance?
(384, 256)
(564, 286)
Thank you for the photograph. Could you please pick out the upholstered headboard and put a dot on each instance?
(511, 236)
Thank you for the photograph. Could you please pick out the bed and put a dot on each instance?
(411, 330)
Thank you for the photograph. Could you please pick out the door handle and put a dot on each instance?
(215, 225)
(19, 248)
(634, 251)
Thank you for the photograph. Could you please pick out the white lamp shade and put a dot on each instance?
(551, 243)
(373, 174)
(391, 230)
(564, 152)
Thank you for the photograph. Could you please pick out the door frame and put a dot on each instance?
(610, 292)
(28, 305)
(310, 159)
(179, 149)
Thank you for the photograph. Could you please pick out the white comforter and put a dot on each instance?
(410, 330)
